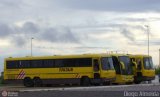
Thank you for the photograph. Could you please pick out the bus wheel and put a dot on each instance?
(28, 82)
(137, 82)
(37, 82)
(85, 81)
(149, 82)
(107, 83)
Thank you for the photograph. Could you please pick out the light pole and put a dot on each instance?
(31, 45)
(159, 57)
(148, 36)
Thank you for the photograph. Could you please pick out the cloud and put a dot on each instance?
(62, 34)
(5, 30)
(126, 33)
(26, 29)
(18, 34)
(139, 43)
(155, 43)
(113, 5)
(144, 43)
(129, 19)
(10, 4)
(18, 41)
(30, 28)
(91, 5)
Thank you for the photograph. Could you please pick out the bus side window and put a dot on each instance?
(96, 65)
(139, 64)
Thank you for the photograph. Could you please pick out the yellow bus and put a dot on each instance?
(85, 69)
(143, 71)
(123, 67)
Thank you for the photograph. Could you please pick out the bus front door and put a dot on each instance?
(96, 68)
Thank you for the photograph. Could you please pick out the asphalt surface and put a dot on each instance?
(92, 91)
(134, 90)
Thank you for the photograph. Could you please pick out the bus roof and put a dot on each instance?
(119, 54)
(58, 56)
(139, 55)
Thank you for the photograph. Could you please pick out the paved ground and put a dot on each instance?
(93, 91)
(140, 90)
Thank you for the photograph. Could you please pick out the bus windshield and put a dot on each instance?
(127, 63)
(148, 64)
(107, 63)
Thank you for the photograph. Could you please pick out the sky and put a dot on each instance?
(78, 26)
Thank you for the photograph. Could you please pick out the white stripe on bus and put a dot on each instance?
(22, 75)
(19, 74)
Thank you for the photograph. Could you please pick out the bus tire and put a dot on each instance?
(27, 81)
(137, 82)
(85, 81)
(107, 83)
(97, 84)
(37, 82)
(149, 82)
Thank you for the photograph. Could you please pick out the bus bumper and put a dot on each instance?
(143, 78)
(146, 78)
(102, 80)
(108, 79)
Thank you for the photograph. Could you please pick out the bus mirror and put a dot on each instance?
(134, 64)
(122, 64)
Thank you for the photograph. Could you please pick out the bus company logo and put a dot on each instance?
(65, 69)
(4, 93)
